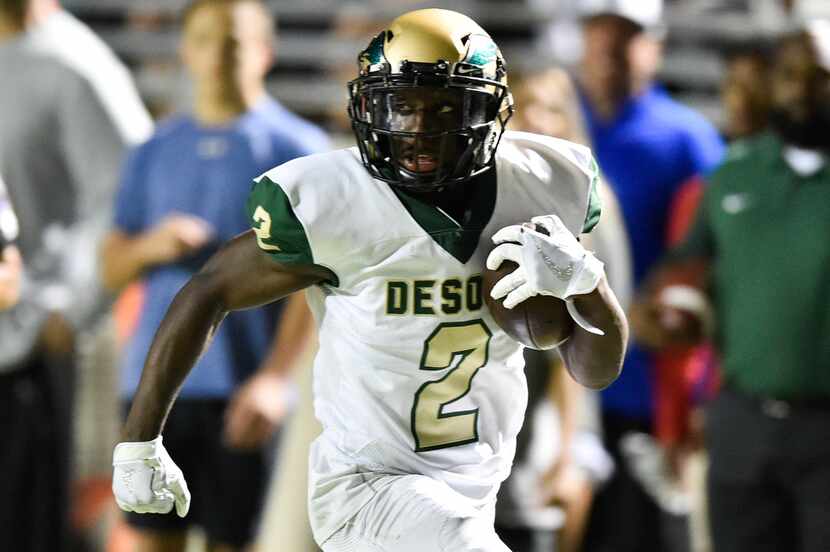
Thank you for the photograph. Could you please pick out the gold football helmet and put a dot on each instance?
(431, 101)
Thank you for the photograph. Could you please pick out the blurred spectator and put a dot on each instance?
(68, 109)
(353, 22)
(545, 502)
(759, 239)
(688, 376)
(647, 146)
(182, 194)
(745, 93)
(543, 505)
(11, 267)
(547, 103)
(67, 117)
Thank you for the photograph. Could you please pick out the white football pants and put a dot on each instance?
(416, 513)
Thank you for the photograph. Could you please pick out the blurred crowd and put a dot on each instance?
(715, 438)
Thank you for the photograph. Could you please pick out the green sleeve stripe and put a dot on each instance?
(279, 232)
(594, 203)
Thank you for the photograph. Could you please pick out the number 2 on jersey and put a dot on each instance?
(431, 426)
(263, 231)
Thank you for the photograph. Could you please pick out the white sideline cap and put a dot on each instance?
(648, 14)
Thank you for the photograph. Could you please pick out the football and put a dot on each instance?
(540, 322)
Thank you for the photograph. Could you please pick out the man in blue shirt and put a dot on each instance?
(648, 146)
(182, 194)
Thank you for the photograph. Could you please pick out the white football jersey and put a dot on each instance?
(412, 375)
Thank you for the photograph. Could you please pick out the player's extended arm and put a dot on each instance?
(145, 478)
(239, 276)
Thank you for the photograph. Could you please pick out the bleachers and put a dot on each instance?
(145, 34)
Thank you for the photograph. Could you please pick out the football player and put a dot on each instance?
(419, 392)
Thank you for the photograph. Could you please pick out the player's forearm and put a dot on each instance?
(593, 360)
(123, 259)
(185, 332)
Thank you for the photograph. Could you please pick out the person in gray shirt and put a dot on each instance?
(68, 112)
(65, 120)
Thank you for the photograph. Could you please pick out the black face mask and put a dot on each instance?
(811, 133)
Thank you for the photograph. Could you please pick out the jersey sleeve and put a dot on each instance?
(586, 176)
(568, 174)
(279, 232)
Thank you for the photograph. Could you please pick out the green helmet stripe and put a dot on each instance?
(483, 55)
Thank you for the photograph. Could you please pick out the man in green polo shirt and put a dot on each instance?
(763, 232)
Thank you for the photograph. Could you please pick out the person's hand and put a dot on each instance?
(11, 270)
(146, 480)
(255, 411)
(176, 236)
(658, 324)
(563, 484)
(672, 308)
(555, 264)
(646, 318)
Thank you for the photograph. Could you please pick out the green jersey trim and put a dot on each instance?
(594, 202)
(279, 232)
(461, 238)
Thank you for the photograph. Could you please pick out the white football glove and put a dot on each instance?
(146, 480)
(555, 265)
